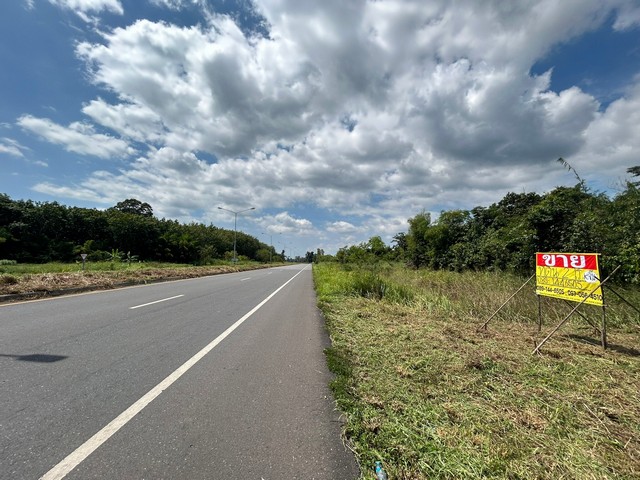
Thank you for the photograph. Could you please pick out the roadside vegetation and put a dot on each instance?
(432, 397)
(506, 235)
(42, 245)
(56, 278)
(42, 232)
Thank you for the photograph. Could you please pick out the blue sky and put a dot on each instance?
(602, 62)
(336, 120)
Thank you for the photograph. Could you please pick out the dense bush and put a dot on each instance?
(34, 232)
(506, 235)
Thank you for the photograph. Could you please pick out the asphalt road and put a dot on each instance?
(106, 385)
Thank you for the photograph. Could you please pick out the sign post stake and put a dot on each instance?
(595, 327)
(484, 325)
(539, 314)
(603, 330)
(623, 299)
(537, 349)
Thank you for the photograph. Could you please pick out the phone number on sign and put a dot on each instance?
(568, 293)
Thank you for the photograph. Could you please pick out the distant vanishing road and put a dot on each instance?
(221, 377)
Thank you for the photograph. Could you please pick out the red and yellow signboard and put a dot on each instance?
(570, 276)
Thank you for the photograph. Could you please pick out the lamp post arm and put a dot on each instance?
(235, 228)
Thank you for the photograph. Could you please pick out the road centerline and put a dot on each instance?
(76, 457)
(157, 301)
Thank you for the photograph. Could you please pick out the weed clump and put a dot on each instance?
(8, 280)
(370, 285)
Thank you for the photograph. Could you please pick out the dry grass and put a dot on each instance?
(432, 397)
(46, 283)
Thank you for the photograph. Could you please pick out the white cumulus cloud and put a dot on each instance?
(77, 137)
(342, 227)
(283, 222)
(84, 8)
(375, 110)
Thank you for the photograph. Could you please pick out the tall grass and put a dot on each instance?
(368, 284)
(431, 396)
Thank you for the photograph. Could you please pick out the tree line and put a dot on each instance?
(38, 232)
(507, 234)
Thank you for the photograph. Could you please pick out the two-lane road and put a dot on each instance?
(221, 377)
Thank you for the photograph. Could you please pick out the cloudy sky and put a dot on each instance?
(336, 119)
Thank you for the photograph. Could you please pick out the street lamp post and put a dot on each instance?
(285, 247)
(235, 228)
(270, 244)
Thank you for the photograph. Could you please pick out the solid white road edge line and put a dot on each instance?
(157, 301)
(87, 448)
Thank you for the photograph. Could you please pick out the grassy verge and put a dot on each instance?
(432, 397)
(51, 277)
(18, 269)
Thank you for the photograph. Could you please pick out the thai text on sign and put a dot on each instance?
(570, 276)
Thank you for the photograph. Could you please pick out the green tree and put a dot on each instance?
(417, 244)
(377, 247)
(552, 218)
(134, 207)
(133, 233)
(263, 255)
(634, 171)
(623, 245)
(399, 250)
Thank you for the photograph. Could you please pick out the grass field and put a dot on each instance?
(433, 397)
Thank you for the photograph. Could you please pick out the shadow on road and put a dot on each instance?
(36, 357)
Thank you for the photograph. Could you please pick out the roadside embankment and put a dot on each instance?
(36, 285)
